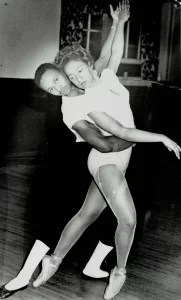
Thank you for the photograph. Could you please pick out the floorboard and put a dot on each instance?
(154, 267)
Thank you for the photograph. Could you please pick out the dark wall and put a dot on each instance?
(166, 108)
(175, 55)
(22, 116)
(141, 105)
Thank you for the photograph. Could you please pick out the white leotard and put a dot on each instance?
(109, 96)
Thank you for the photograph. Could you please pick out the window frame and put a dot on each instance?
(125, 59)
(89, 30)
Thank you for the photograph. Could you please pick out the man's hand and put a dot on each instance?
(93, 135)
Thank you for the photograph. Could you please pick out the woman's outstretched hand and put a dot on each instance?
(171, 146)
(122, 12)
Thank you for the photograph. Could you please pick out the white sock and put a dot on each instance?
(92, 268)
(36, 254)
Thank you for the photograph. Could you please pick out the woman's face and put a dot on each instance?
(79, 73)
(55, 83)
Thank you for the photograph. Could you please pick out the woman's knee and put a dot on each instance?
(131, 222)
(128, 221)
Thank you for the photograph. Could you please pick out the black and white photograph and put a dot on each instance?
(90, 131)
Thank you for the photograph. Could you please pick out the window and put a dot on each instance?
(95, 31)
(132, 43)
(92, 34)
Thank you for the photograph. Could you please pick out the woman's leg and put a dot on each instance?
(107, 225)
(113, 185)
(89, 212)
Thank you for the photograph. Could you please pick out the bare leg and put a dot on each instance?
(89, 212)
(113, 185)
(107, 226)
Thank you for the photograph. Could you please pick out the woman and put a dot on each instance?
(105, 105)
(40, 247)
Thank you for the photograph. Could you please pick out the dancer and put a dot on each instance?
(40, 247)
(105, 105)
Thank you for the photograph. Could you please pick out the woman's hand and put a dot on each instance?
(124, 11)
(171, 146)
(121, 12)
(114, 14)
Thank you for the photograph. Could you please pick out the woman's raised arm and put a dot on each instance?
(118, 42)
(105, 54)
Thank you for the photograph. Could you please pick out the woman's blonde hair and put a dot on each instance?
(73, 52)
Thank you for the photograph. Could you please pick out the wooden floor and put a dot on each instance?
(154, 267)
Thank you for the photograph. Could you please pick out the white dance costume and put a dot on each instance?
(111, 97)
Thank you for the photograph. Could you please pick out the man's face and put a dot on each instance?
(55, 82)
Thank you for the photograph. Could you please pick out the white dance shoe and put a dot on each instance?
(116, 281)
(50, 265)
